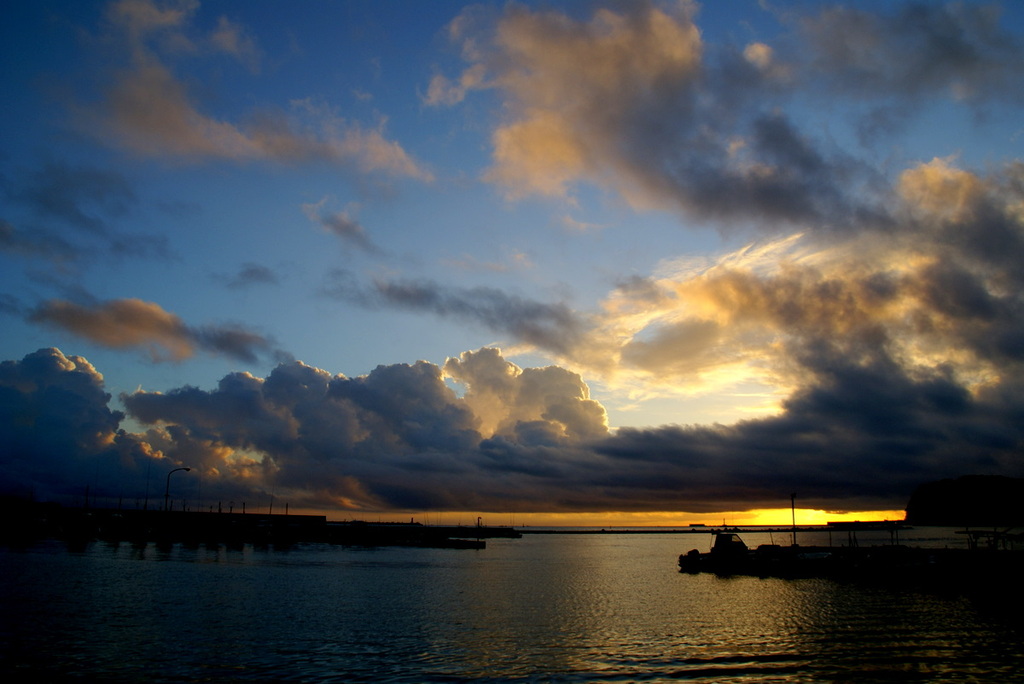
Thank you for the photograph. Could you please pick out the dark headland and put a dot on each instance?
(970, 500)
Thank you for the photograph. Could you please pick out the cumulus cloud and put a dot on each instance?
(935, 293)
(936, 290)
(58, 431)
(881, 309)
(861, 434)
(504, 397)
(149, 110)
(133, 323)
(398, 437)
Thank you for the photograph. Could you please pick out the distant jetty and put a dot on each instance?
(31, 521)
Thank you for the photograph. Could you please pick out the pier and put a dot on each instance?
(30, 521)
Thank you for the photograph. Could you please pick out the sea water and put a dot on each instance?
(544, 608)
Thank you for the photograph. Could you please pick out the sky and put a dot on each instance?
(589, 262)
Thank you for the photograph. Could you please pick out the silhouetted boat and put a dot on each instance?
(729, 555)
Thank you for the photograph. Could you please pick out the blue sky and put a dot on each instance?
(726, 251)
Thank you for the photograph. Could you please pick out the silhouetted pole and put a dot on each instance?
(792, 506)
(149, 466)
(167, 489)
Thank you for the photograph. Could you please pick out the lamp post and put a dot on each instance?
(167, 489)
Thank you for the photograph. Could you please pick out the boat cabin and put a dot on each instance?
(728, 544)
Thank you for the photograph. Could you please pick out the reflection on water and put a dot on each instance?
(542, 608)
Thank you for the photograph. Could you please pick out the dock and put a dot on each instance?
(32, 521)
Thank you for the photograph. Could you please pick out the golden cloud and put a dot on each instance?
(123, 323)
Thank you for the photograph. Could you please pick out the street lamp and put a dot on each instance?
(167, 489)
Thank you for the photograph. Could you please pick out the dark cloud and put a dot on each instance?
(632, 99)
(236, 342)
(958, 50)
(332, 440)
(552, 327)
(895, 346)
(341, 224)
(779, 177)
(348, 229)
(860, 436)
(133, 323)
(249, 275)
(10, 305)
(59, 434)
(398, 437)
(35, 243)
(79, 196)
(74, 210)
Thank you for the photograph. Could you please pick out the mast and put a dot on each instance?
(792, 507)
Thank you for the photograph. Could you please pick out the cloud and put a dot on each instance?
(147, 109)
(634, 101)
(861, 434)
(397, 438)
(58, 431)
(330, 440)
(504, 397)
(131, 323)
(75, 195)
(553, 327)
(443, 91)
(234, 40)
(935, 291)
(953, 49)
(35, 243)
(880, 309)
(73, 209)
(249, 275)
(631, 101)
(935, 288)
(511, 260)
(340, 223)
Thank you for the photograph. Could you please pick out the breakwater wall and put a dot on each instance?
(32, 521)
